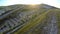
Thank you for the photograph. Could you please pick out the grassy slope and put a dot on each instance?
(58, 20)
(32, 23)
(39, 19)
(57, 11)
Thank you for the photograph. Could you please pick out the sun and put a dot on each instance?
(33, 4)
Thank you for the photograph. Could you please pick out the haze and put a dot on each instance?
(12, 2)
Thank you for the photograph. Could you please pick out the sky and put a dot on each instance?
(55, 3)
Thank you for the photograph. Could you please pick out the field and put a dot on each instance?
(30, 20)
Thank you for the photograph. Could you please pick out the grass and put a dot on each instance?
(32, 23)
(58, 20)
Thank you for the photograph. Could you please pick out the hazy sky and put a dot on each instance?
(55, 3)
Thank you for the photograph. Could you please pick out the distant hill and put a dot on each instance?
(20, 5)
(7, 9)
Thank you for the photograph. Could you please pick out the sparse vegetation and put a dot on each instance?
(58, 19)
(29, 18)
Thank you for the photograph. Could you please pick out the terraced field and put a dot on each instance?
(48, 21)
(30, 20)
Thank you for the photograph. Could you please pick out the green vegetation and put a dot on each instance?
(39, 15)
(32, 23)
(58, 20)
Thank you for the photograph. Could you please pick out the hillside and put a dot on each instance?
(29, 19)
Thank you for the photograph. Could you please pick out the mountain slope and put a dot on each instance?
(28, 19)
